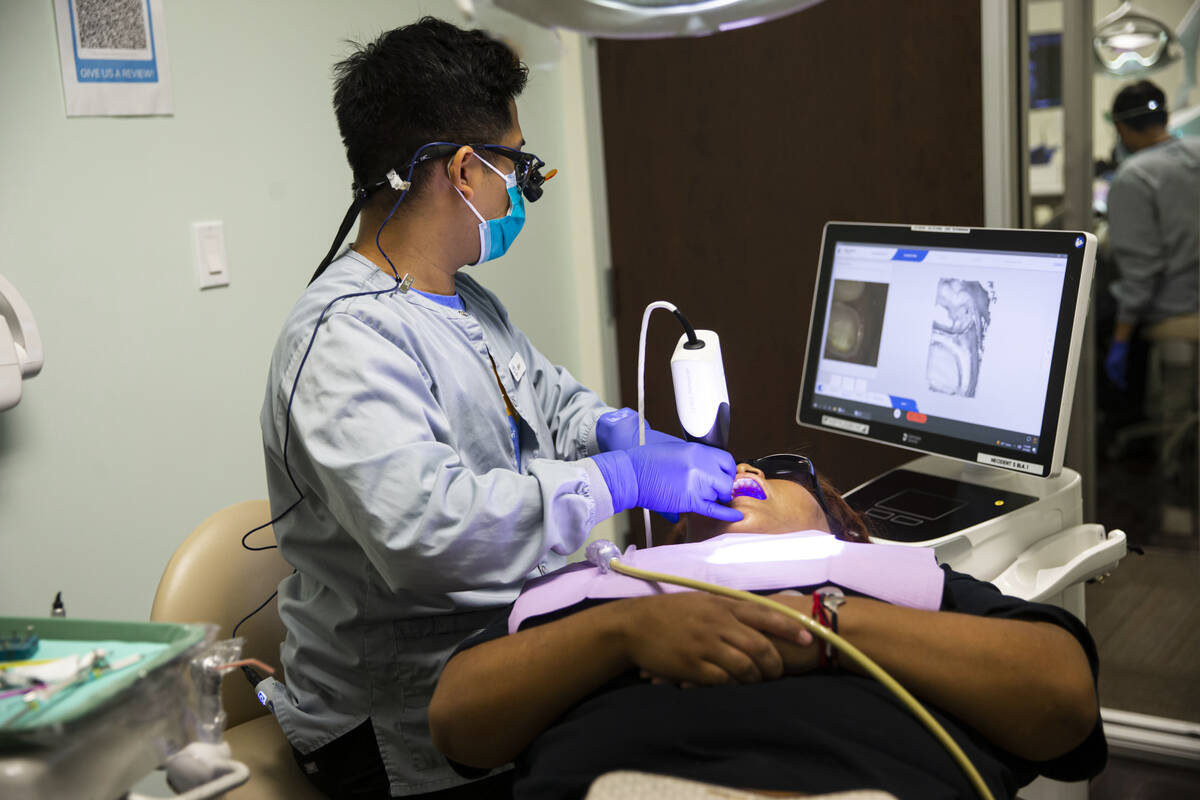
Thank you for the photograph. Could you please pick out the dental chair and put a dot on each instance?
(212, 578)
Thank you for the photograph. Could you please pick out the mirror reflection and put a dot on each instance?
(1146, 214)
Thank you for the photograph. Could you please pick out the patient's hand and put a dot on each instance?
(695, 638)
(797, 658)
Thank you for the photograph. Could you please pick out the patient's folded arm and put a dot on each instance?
(484, 711)
(1024, 685)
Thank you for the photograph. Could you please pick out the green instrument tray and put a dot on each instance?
(158, 644)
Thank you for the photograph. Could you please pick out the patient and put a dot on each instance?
(779, 493)
(731, 693)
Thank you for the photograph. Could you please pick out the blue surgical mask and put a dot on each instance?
(497, 235)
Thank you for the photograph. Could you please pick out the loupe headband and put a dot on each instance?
(527, 168)
(1149, 107)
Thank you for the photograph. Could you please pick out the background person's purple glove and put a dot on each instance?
(671, 477)
(618, 430)
(1116, 363)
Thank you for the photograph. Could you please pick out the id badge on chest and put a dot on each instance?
(516, 367)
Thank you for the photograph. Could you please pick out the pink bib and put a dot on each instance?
(907, 576)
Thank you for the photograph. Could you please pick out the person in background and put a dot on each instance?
(1153, 222)
(423, 456)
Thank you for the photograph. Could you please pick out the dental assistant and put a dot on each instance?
(423, 457)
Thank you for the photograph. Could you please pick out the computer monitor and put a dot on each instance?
(958, 342)
(1045, 70)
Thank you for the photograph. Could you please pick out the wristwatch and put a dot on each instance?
(831, 598)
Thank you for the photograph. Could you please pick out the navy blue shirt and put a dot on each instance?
(814, 733)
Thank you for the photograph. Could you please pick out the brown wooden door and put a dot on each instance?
(726, 155)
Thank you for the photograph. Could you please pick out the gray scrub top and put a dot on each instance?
(1154, 230)
(417, 522)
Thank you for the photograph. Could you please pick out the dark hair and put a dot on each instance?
(424, 82)
(1140, 105)
(847, 523)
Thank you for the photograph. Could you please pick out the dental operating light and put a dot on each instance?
(1130, 41)
(645, 19)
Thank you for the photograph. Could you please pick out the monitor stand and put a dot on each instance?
(1022, 532)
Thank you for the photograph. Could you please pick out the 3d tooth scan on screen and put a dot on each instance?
(952, 341)
(961, 318)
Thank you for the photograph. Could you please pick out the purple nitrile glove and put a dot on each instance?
(1116, 363)
(618, 430)
(675, 477)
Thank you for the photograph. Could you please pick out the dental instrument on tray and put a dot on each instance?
(42, 683)
(607, 557)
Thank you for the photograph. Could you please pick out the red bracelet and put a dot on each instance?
(819, 615)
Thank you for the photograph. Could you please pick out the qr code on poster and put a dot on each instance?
(112, 25)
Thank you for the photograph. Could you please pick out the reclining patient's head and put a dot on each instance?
(780, 501)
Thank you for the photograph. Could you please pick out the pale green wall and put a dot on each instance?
(145, 417)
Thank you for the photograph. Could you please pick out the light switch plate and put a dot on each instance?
(208, 241)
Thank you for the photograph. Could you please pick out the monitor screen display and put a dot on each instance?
(1045, 70)
(957, 342)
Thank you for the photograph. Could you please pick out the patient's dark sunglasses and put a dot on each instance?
(795, 468)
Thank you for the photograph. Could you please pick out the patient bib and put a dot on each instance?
(906, 576)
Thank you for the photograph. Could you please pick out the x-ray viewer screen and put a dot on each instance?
(941, 340)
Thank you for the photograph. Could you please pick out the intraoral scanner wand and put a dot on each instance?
(701, 396)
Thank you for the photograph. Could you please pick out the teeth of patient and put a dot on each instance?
(748, 487)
